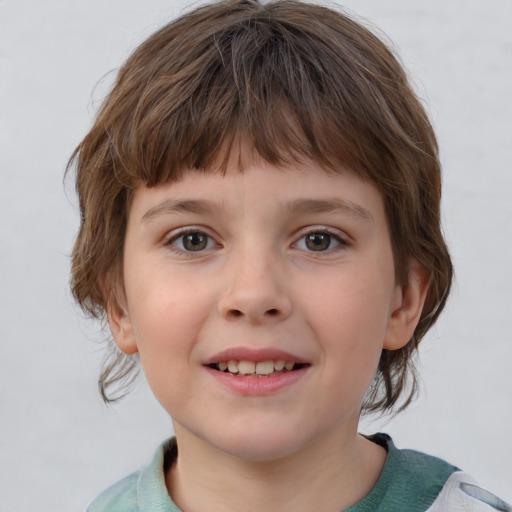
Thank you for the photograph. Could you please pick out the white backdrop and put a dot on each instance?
(59, 446)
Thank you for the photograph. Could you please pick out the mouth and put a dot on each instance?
(256, 369)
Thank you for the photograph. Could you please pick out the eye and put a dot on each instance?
(191, 241)
(319, 241)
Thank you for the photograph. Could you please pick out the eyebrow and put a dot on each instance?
(296, 207)
(302, 206)
(171, 206)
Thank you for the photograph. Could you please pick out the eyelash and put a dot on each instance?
(183, 232)
(341, 242)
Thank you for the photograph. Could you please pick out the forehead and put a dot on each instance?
(261, 187)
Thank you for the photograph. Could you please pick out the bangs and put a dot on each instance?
(271, 83)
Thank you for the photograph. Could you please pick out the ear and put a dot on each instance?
(407, 305)
(121, 327)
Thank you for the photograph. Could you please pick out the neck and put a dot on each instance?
(340, 468)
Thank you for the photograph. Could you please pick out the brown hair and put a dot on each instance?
(294, 81)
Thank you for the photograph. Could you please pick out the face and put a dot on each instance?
(259, 303)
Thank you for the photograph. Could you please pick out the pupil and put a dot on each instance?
(318, 241)
(195, 241)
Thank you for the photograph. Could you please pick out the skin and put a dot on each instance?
(259, 284)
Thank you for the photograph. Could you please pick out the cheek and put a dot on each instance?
(355, 306)
(167, 310)
(166, 317)
(350, 318)
(159, 297)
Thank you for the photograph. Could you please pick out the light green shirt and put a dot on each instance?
(410, 482)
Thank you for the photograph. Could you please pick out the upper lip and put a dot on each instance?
(253, 354)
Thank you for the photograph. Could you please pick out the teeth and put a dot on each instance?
(265, 367)
(246, 367)
(252, 368)
(279, 365)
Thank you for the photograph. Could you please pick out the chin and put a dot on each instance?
(258, 442)
(260, 449)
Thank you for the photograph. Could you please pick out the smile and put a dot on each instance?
(256, 368)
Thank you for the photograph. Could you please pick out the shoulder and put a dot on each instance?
(122, 496)
(461, 494)
(142, 491)
(413, 481)
(423, 474)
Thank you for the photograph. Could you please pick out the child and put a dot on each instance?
(260, 223)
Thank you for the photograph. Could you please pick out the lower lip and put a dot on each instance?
(258, 386)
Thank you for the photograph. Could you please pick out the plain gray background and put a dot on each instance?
(59, 446)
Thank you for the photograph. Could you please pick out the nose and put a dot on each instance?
(255, 290)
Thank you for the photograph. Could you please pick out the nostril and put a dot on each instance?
(272, 312)
(236, 313)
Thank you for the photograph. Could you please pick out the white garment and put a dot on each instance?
(461, 494)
